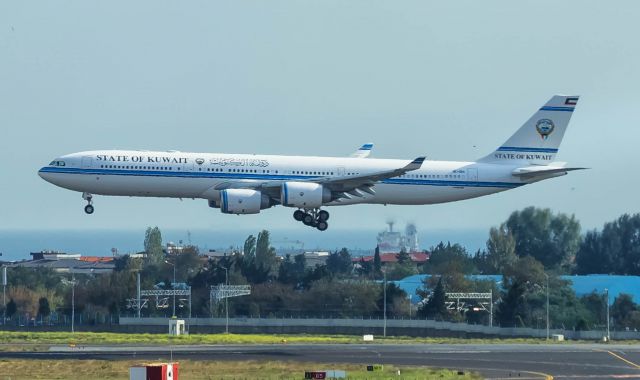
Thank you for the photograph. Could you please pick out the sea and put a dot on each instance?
(18, 244)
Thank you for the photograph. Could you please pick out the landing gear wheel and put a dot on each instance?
(323, 216)
(308, 219)
(89, 198)
(298, 215)
(322, 226)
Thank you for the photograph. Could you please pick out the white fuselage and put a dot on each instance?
(198, 175)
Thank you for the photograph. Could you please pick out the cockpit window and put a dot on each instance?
(57, 163)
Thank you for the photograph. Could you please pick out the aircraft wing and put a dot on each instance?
(363, 181)
(342, 187)
(363, 152)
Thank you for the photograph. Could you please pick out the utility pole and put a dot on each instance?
(73, 283)
(226, 301)
(138, 292)
(547, 286)
(384, 329)
(4, 294)
(608, 332)
(73, 302)
(173, 287)
(491, 309)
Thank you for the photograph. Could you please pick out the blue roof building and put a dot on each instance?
(581, 284)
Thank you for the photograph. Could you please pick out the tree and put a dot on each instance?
(339, 262)
(501, 250)
(249, 250)
(403, 257)
(394, 297)
(292, 271)
(449, 258)
(596, 304)
(435, 306)
(512, 308)
(615, 250)
(399, 271)
(377, 263)
(551, 239)
(364, 268)
(12, 308)
(43, 307)
(153, 245)
(524, 298)
(523, 282)
(625, 312)
(265, 254)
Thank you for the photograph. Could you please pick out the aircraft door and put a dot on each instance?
(340, 171)
(472, 174)
(87, 162)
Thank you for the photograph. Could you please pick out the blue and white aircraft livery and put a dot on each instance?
(249, 183)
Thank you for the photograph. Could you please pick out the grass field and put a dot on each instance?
(196, 370)
(9, 339)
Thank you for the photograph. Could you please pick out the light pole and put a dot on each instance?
(4, 294)
(173, 287)
(226, 300)
(608, 332)
(491, 308)
(547, 286)
(73, 283)
(384, 328)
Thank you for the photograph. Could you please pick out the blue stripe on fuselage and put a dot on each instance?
(261, 176)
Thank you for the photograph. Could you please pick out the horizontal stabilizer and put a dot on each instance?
(539, 171)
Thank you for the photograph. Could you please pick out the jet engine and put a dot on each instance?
(243, 201)
(304, 194)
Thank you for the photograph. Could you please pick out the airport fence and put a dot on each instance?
(394, 327)
(291, 325)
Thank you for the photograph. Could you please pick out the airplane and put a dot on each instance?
(250, 183)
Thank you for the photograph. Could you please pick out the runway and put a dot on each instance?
(494, 361)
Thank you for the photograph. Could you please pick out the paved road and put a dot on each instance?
(494, 361)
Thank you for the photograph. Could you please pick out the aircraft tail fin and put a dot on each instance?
(538, 140)
(364, 151)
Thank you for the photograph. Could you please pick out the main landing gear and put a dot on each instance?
(89, 207)
(313, 218)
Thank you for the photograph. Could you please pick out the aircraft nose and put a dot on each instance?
(44, 174)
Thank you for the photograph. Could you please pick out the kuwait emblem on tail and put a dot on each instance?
(545, 127)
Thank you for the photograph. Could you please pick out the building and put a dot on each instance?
(53, 255)
(418, 258)
(68, 263)
(582, 285)
(315, 258)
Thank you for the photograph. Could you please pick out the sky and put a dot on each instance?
(451, 80)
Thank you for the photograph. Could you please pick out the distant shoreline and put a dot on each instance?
(17, 244)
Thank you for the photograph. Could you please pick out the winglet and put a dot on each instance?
(415, 164)
(364, 151)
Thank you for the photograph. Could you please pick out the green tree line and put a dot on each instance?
(529, 251)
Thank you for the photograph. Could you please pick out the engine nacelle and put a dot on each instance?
(304, 194)
(243, 201)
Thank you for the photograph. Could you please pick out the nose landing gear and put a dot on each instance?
(89, 207)
(313, 218)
